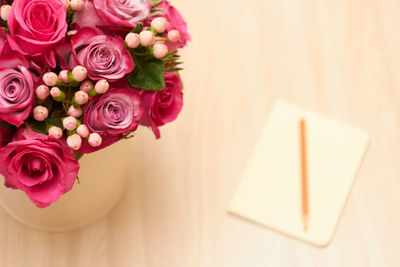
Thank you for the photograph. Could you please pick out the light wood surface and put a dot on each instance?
(340, 58)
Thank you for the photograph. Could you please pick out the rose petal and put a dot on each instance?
(87, 17)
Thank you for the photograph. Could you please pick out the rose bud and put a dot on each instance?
(57, 94)
(55, 132)
(50, 78)
(42, 92)
(5, 12)
(70, 123)
(86, 86)
(40, 113)
(95, 140)
(132, 40)
(83, 131)
(81, 97)
(174, 36)
(75, 112)
(74, 141)
(147, 38)
(63, 75)
(66, 3)
(101, 87)
(79, 73)
(160, 50)
(77, 5)
(159, 24)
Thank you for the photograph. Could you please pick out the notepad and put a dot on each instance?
(270, 191)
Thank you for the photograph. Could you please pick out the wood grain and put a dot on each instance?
(340, 58)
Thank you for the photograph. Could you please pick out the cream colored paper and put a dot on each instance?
(270, 191)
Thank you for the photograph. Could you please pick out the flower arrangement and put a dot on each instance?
(77, 76)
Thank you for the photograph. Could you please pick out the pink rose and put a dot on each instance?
(161, 107)
(104, 56)
(175, 22)
(6, 133)
(16, 89)
(39, 165)
(112, 13)
(37, 26)
(111, 115)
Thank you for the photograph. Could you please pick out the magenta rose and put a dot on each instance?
(36, 26)
(6, 133)
(104, 56)
(161, 107)
(175, 22)
(112, 115)
(39, 165)
(16, 89)
(112, 13)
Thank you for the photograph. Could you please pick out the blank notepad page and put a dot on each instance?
(270, 191)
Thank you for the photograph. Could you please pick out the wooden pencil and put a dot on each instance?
(304, 174)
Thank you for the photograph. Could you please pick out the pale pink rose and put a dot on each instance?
(161, 107)
(104, 56)
(17, 91)
(40, 165)
(111, 115)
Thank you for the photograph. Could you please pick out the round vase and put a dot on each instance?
(102, 179)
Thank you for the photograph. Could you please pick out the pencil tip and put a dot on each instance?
(305, 222)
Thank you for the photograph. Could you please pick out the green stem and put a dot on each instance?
(65, 108)
(140, 54)
(156, 9)
(66, 102)
(155, 15)
(151, 29)
(162, 39)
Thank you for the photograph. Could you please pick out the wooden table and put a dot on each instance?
(340, 58)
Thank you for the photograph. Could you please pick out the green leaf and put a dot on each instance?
(138, 28)
(39, 127)
(55, 121)
(148, 74)
(42, 127)
(4, 124)
(78, 155)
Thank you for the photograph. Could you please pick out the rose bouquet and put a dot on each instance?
(77, 76)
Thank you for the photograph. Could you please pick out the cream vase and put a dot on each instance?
(102, 179)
